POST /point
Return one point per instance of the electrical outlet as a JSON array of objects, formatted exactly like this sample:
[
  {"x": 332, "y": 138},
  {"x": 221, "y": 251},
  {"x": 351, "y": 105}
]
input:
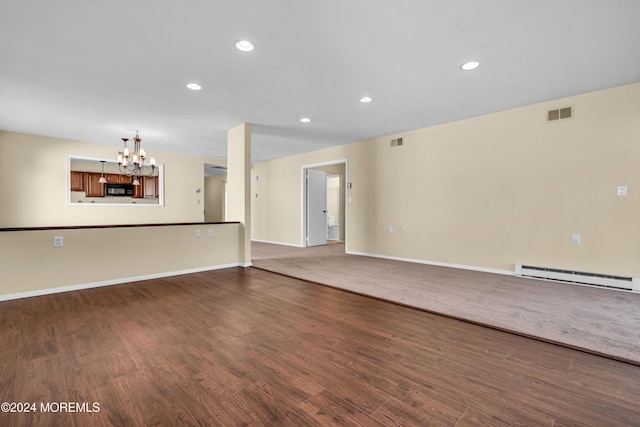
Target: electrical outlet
[
  {"x": 58, "y": 241},
  {"x": 198, "y": 234},
  {"x": 390, "y": 229},
  {"x": 622, "y": 190},
  {"x": 210, "y": 233},
  {"x": 404, "y": 229},
  {"x": 576, "y": 239}
]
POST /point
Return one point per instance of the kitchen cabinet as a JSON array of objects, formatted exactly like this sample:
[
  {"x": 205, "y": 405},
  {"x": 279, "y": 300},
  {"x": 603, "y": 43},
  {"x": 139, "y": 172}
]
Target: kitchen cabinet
[
  {"x": 151, "y": 187},
  {"x": 138, "y": 190},
  {"x": 147, "y": 189},
  {"x": 114, "y": 178},
  {"x": 77, "y": 181},
  {"x": 93, "y": 188}
]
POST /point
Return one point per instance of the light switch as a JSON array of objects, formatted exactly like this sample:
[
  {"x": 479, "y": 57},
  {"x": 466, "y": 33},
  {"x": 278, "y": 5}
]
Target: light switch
[
  {"x": 622, "y": 190},
  {"x": 58, "y": 241},
  {"x": 390, "y": 229},
  {"x": 575, "y": 239}
]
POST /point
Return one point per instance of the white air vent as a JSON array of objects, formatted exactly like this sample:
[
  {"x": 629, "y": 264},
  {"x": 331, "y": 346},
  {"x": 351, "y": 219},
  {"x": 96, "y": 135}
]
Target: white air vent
[
  {"x": 396, "y": 142},
  {"x": 560, "y": 114},
  {"x": 570, "y": 276}
]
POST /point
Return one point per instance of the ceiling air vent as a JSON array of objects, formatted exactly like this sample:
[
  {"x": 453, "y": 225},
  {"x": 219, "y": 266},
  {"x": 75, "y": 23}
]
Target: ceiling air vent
[
  {"x": 560, "y": 114},
  {"x": 396, "y": 142}
]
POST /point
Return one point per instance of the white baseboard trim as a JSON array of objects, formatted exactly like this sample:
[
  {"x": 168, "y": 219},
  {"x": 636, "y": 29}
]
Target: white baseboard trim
[
  {"x": 436, "y": 263},
  {"x": 49, "y": 291},
  {"x": 277, "y": 243}
]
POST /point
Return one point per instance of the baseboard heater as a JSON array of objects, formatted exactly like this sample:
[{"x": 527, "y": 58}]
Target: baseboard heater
[{"x": 570, "y": 276}]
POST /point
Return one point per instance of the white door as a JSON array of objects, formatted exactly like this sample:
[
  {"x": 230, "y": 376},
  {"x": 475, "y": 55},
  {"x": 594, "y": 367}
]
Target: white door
[{"x": 316, "y": 207}]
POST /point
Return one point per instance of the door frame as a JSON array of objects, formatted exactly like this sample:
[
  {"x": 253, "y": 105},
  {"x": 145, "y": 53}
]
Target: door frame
[{"x": 303, "y": 209}]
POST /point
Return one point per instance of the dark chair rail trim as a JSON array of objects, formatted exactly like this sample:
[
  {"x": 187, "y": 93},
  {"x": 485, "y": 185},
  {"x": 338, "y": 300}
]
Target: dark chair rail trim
[{"x": 79, "y": 227}]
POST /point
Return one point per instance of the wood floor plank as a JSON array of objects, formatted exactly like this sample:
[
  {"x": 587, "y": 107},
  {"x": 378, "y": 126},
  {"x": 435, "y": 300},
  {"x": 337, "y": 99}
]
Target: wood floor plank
[
  {"x": 331, "y": 410},
  {"x": 421, "y": 411},
  {"x": 247, "y": 347}
]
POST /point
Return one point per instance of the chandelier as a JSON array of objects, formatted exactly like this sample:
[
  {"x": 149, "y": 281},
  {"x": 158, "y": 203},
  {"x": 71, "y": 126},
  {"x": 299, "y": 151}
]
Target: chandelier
[{"x": 132, "y": 163}]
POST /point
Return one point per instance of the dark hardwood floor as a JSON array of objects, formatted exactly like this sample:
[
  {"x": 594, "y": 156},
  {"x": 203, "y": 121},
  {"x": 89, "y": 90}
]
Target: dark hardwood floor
[{"x": 242, "y": 347}]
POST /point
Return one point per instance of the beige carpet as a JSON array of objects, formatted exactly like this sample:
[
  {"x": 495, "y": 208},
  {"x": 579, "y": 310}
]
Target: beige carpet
[{"x": 601, "y": 321}]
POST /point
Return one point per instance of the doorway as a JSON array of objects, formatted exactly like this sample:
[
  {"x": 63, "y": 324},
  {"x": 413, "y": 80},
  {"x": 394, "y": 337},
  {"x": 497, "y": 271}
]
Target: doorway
[{"x": 324, "y": 213}]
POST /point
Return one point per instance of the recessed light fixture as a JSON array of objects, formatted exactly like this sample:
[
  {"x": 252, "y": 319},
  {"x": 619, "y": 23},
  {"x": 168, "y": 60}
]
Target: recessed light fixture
[
  {"x": 366, "y": 99},
  {"x": 471, "y": 65},
  {"x": 244, "y": 45},
  {"x": 194, "y": 86},
  {"x": 305, "y": 120}
]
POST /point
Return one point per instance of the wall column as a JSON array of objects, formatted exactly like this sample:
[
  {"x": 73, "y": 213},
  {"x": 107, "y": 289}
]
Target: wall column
[{"x": 239, "y": 185}]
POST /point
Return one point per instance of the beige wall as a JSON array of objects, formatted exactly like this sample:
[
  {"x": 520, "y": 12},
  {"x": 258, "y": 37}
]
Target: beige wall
[
  {"x": 98, "y": 256},
  {"x": 487, "y": 192},
  {"x": 239, "y": 184},
  {"x": 33, "y": 193},
  {"x": 33, "y": 185}
]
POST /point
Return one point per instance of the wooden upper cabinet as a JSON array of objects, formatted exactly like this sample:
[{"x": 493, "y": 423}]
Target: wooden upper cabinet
[
  {"x": 116, "y": 178},
  {"x": 77, "y": 181},
  {"x": 112, "y": 178},
  {"x": 93, "y": 187},
  {"x": 124, "y": 179}
]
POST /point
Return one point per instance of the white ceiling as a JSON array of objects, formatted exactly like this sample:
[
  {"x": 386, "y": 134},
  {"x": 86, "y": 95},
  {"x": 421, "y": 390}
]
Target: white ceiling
[{"x": 98, "y": 70}]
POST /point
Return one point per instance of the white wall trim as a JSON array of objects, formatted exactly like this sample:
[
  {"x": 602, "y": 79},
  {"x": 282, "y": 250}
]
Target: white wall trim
[
  {"x": 49, "y": 291},
  {"x": 636, "y": 284},
  {"x": 277, "y": 243},
  {"x": 436, "y": 263}
]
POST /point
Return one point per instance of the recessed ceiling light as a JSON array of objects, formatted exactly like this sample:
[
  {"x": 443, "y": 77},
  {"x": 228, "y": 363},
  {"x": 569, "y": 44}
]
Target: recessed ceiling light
[
  {"x": 244, "y": 45},
  {"x": 471, "y": 65},
  {"x": 366, "y": 99},
  {"x": 305, "y": 120},
  {"x": 194, "y": 86}
]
